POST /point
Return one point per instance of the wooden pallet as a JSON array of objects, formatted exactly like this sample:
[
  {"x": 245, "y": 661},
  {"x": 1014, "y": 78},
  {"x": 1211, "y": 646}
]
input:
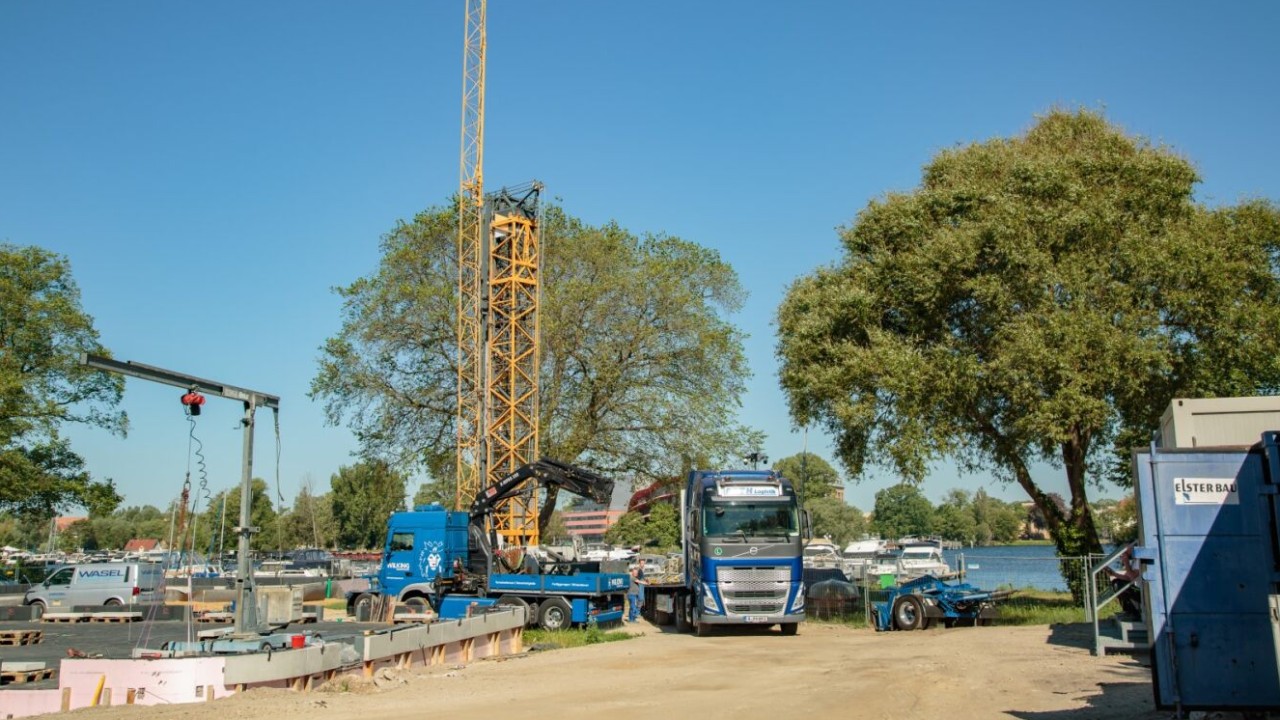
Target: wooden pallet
[
  {"x": 20, "y": 637},
  {"x": 64, "y": 617},
  {"x": 17, "y": 677}
]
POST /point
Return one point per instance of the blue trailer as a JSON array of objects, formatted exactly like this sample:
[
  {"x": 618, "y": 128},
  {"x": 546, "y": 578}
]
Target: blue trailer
[
  {"x": 918, "y": 604},
  {"x": 1211, "y": 588}
]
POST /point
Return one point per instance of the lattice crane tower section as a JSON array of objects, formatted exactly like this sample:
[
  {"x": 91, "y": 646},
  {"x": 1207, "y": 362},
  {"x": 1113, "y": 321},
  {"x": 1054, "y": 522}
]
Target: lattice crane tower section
[
  {"x": 471, "y": 240},
  {"x": 514, "y": 352}
]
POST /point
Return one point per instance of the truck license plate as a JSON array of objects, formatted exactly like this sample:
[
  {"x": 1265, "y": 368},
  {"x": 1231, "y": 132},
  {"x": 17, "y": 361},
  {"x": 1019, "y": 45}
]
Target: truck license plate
[{"x": 754, "y": 618}]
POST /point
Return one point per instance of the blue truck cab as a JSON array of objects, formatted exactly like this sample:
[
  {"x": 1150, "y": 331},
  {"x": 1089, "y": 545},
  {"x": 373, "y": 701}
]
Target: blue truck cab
[
  {"x": 421, "y": 545},
  {"x": 743, "y": 547}
]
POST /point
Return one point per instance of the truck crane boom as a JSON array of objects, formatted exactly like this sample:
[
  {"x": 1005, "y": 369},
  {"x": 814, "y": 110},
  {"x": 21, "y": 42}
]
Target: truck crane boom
[{"x": 550, "y": 474}]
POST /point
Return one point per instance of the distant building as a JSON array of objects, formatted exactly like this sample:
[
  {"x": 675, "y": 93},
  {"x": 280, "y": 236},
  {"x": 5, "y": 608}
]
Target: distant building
[
  {"x": 1034, "y": 526},
  {"x": 590, "y": 525},
  {"x": 62, "y": 522},
  {"x": 143, "y": 545}
]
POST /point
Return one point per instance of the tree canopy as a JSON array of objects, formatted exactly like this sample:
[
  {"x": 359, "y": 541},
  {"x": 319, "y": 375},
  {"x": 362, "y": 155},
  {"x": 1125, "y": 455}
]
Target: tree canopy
[
  {"x": 363, "y": 496},
  {"x": 811, "y": 476},
  {"x": 659, "y": 529},
  {"x": 835, "y": 519},
  {"x": 43, "y": 332},
  {"x": 636, "y": 353},
  {"x": 902, "y": 511},
  {"x": 1041, "y": 297}
]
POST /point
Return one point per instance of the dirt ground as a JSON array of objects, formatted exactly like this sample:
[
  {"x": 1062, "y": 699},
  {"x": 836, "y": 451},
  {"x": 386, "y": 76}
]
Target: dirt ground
[{"x": 826, "y": 671}]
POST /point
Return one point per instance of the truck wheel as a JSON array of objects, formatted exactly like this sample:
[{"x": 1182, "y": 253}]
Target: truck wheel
[
  {"x": 683, "y": 622},
  {"x": 112, "y": 602},
  {"x": 554, "y": 614},
  {"x": 417, "y": 604},
  {"x": 700, "y": 628},
  {"x": 515, "y": 601},
  {"x": 908, "y": 613},
  {"x": 362, "y": 607},
  {"x": 789, "y": 628},
  {"x": 37, "y": 609}
]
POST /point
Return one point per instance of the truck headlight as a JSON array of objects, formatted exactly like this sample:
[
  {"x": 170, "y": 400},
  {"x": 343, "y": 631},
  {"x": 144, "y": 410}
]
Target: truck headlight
[
  {"x": 709, "y": 599},
  {"x": 798, "y": 604}
]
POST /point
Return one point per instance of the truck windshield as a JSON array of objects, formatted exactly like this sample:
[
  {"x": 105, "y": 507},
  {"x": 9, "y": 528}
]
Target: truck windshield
[{"x": 746, "y": 519}]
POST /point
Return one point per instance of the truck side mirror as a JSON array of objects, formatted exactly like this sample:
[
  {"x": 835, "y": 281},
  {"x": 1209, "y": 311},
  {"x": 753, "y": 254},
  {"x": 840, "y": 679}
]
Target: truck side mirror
[{"x": 806, "y": 525}]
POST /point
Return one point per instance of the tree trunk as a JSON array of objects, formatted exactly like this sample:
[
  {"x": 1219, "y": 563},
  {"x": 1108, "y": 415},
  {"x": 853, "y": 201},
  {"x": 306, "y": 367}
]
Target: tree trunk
[{"x": 1074, "y": 534}]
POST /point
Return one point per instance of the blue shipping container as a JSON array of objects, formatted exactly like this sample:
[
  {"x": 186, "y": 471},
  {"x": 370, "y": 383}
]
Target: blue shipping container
[{"x": 1207, "y": 526}]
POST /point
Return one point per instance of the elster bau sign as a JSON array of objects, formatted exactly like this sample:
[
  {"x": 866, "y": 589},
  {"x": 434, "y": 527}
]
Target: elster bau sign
[{"x": 1205, "y": 491}]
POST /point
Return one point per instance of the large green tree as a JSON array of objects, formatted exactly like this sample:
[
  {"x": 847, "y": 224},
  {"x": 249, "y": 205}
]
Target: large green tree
[
  {"x": 43, "y": 331},
  {"x": 310, "y": 522},
  {"x": 659, "y": 529},
  {"x": 835, "y": 519},
  {"x": 954, "y": 518},
  {"x": 636, "y": 351},
  {"x": 996, "y": 521},
  {"x": 210, "y": 527},
  {"x": 901, "y": 510},
  {"x": 1037, "y": 298},
  {"x": 363, "y": 496},
  {"x": 812, "y": 476}
]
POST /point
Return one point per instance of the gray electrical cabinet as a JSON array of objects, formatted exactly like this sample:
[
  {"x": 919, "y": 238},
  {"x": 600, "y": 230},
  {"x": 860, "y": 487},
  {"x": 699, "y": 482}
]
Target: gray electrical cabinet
[{"x": 1208, "y": 535}]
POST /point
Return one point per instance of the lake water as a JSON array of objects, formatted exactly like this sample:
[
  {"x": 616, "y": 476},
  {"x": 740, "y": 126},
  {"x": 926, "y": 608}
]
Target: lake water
[{"x": 1019, "y": 566}]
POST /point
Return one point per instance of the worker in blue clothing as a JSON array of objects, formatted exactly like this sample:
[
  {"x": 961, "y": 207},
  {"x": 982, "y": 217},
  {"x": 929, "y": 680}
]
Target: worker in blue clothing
[{"x": 633, "y": 592}]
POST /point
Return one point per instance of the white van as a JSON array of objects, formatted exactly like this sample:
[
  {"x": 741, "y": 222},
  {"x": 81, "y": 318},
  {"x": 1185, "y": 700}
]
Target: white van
[{"x": 98, "y": 584}]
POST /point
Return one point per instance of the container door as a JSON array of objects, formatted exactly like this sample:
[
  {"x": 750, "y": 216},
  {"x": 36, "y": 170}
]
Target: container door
[{"x": 1208, "y": 593}]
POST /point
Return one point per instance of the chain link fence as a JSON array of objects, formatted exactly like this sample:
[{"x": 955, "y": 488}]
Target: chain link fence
[{"x": 1045, "y": 588}]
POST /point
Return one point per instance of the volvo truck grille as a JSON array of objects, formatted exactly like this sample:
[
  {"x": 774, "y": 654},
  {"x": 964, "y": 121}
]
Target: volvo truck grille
[{"x": 755, "y": 590}]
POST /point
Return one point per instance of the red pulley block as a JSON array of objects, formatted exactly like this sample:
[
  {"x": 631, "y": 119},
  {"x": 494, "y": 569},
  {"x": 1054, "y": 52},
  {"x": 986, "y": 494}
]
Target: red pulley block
[{"x": 193, "y": 400}]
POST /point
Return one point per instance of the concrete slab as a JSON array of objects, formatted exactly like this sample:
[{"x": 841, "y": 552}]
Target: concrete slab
[{"x": 9, "y": 666}]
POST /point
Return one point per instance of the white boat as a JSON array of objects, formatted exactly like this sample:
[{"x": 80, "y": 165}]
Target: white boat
[
  {"x": 285, "y": 569},
  {"x": 599, "y": 554},
  {"x": 822, "y": 554},
  {"x": 920, "y": 559},
  {"x": 860, "y": 555}
]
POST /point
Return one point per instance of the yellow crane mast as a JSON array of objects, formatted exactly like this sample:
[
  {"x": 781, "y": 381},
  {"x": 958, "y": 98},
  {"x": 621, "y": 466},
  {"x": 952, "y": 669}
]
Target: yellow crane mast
[
  {"x": 471, "y": 241},
  {"x": 498, "y": 331}
]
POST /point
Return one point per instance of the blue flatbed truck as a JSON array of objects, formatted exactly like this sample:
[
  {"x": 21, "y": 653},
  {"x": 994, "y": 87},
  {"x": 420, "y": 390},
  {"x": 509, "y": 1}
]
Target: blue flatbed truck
[
  {"x": 742, "y": 537},
  {"x": 446, "y": 560}
]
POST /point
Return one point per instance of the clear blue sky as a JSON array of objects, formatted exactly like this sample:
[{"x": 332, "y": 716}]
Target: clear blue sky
[{"x": 213, "y": 169}]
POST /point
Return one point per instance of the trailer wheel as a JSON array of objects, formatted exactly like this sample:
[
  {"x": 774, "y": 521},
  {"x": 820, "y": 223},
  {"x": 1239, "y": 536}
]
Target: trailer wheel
[
  {"x": 908, "y": 613},
  {"x": 554, "y": 614}
]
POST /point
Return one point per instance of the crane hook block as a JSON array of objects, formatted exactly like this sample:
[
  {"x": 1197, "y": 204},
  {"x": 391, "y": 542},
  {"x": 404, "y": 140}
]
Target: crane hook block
[{"x": 193, "y": 400}]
